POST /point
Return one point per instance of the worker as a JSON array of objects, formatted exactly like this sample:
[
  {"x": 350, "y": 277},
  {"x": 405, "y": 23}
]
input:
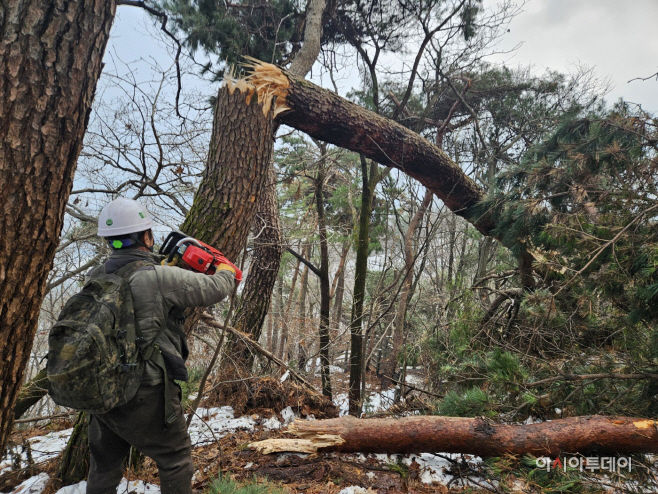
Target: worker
[{"x": 160, "y": 294}]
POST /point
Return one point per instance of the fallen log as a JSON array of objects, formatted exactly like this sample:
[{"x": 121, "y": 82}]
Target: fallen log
[
  {"x": 596, "y": 434},
  {"x": 328, "y": 117}
]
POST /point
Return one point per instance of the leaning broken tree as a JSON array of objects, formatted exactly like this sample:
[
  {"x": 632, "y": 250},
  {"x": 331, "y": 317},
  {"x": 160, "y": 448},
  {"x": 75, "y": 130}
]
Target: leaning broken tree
[{"x": 328, "y": 117}]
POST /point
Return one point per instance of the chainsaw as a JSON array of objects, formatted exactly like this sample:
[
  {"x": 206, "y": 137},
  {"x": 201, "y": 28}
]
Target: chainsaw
[{"x": 188, "y": 252}]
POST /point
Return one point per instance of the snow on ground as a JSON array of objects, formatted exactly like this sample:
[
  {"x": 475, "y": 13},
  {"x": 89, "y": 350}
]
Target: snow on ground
[
  {"x": 207, "y": 425},
  {"x": 41, "y": 448},
  {"x": 36, "y": 485},
  {"x": 432, "y": 467},
  {"x": 33, "y": 485}
]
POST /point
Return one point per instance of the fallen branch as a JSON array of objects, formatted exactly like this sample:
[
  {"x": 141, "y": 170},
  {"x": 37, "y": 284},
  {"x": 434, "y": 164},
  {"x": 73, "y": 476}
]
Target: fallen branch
[
  {"x": 431, "y": 434},
  {"x": 46, "y": 417},
  {"x": 210, "y": 321}
]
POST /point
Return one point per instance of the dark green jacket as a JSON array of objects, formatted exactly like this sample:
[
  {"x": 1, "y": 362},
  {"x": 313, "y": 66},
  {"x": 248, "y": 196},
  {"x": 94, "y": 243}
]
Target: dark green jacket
[{"x": 160, "y": 293}]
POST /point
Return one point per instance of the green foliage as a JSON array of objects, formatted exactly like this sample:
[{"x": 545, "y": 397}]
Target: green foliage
[
  {"x": 231, "y": 31},
  {"x": 190, "y": 386},
  {"x": 472, "y": 402},
  {"x": 225, "y": 485},
  {"x": 505, "y": 367}
]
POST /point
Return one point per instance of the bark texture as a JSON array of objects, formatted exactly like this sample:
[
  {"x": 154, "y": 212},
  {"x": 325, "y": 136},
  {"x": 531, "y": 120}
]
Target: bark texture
[
  {"x": 50, "y": 61},
  {"x": 263, "y": 271},
  {"x": 74, "y": 465},
  {"x": 595, "y": 434},
  {"x": 266, "y": 257},
  {"x": 240, "y": 153}
]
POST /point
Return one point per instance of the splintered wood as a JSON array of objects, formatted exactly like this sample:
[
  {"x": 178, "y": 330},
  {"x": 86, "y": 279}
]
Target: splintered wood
[
  {"x": 270, "y": 82},
  {"x": 267, "y": 81},
  {"x": 310, "y": 446},
  {"x": 431, "y": 434}
]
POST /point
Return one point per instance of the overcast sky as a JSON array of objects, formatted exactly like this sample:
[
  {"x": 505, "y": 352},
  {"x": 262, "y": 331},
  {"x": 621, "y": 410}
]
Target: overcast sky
[{"x": 617, "y": 38}]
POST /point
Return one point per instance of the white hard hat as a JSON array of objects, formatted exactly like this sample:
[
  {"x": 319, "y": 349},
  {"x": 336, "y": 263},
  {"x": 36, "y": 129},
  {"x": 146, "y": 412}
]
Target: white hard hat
[{"x": 123, "y": 216}]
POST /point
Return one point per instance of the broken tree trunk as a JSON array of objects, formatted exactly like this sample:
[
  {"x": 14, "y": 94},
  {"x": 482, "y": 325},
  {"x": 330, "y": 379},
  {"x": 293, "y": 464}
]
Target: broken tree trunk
[
  {"x": 431, "y": 434},
  {"x": 328, "y": 117}
]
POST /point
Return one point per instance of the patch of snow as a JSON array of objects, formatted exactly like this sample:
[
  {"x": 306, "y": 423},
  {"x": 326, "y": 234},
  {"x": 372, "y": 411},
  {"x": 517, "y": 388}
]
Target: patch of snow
[
  {"x": 288, "y": 415},
  {"x": 272, "y": 423},
  {"x": 37, "y": 484},
  {"x": 309, "y": 364},
  {"x": 125, "y": 487},
  {"x": 377, "y": 402},
  {"x": 42, "y": 448},
  {"x": 214, "y": 423},
  {"x": 249, "y": 465},
  {"x": 333, "y": 369},
  {"x": 193, "y": 396},
  {"x": 558, "y": 410},
  {"x": 285, "y": 376},
  {"x": 33, "y": 485},
  {"x": 374, "y": 402},
  {"x": 414, "y": 380},
  {"x": 355, "y": 489}
]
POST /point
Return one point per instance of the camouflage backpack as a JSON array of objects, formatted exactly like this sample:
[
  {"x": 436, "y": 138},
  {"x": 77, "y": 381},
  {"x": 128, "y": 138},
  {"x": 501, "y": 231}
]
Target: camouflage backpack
[{"x": 94, "y": 360}]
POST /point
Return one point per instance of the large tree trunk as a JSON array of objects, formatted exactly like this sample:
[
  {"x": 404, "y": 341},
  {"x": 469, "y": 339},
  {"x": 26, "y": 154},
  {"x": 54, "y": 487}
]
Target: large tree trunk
[
  {"x": 263, "y": 271},
  {"x": 50, "y": 61},
  {"x": 328, "y": 117},
  {"x": 238, "y": 164},
  {"x": 398, "y": 330},
  {"x": 266, "y": 258},
  {"x": 431, "y": 434},
  {"x": 226, "y": 201}
]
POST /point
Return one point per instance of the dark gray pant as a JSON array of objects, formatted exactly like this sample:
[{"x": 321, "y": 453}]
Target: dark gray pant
[{"x": 140, "y": 423}]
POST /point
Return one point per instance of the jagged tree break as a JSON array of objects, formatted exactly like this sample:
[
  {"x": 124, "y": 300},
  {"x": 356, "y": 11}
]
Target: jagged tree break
[{"x": 50, "y": 61}]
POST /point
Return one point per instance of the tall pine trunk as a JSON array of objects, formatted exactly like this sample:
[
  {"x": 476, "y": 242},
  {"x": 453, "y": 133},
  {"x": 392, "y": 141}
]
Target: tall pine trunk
[
  {"x": 325, "y": 298},
  {"x": 50, "y": 61},
  {"x": 360, "y": 274}
]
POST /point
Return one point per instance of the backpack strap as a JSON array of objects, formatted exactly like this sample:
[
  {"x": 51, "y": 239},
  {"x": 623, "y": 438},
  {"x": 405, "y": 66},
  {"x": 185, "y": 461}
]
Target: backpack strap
[{"x": 151, "y": 351}]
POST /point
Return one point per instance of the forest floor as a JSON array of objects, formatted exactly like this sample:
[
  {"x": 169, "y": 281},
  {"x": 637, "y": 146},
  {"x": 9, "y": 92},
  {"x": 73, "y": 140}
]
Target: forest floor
[{"x": 221, "y": 442}]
